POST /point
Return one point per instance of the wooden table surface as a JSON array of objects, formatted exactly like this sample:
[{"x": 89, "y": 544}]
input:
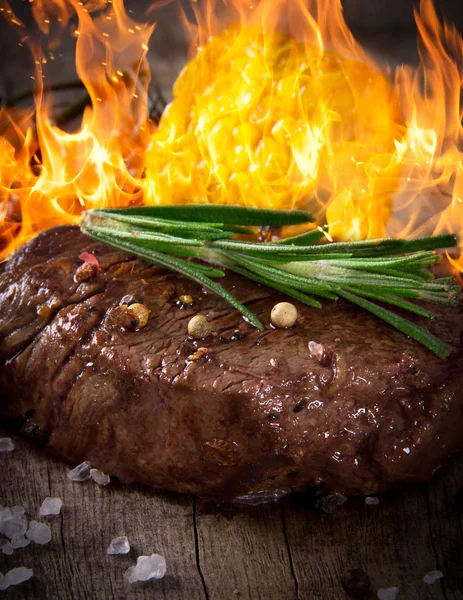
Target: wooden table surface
[{"x": 280, "y": 551}]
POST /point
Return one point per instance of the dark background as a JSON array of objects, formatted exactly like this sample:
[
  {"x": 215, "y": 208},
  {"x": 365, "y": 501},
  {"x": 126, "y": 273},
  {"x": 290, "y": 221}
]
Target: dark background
[{"x": 385, "y": 27}]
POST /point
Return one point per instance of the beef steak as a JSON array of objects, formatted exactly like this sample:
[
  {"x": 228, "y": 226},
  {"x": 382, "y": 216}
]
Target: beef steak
[{"x": 362, "y": 409}]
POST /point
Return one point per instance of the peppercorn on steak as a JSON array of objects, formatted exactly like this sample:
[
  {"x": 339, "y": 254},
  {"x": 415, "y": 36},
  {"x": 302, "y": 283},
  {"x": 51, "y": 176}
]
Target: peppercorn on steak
[{"x": 96, "y": 360}]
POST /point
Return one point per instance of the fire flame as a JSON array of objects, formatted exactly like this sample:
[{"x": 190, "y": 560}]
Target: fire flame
[{"x": 279, "y": 106}]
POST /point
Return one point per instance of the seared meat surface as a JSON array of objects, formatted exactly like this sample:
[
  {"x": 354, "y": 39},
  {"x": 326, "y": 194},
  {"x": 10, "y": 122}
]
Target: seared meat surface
[{"x": 363, "y": 409}]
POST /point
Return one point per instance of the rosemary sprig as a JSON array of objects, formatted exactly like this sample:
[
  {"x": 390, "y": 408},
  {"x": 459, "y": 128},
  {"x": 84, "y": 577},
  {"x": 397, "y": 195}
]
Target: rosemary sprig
[{"x": 391, "y": 271}]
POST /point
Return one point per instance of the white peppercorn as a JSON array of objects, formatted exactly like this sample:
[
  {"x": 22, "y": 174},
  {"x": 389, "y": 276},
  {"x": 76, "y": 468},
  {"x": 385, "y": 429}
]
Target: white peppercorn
[
  {"x": 139, "y": 314},
  {"x": 283, "y": 315}
]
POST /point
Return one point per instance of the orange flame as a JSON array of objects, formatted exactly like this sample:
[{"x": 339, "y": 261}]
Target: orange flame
[
  {"x": 278, "y": 107},
  {"x": 102, "y": 163}
]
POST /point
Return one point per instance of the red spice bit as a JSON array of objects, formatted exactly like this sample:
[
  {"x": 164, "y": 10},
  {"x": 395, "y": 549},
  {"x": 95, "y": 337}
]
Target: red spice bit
[{"x": 89, "y": 258}]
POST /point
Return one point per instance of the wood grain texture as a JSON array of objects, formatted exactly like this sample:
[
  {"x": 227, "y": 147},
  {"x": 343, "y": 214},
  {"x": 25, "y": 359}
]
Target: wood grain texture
[
  {"x": 280, "y": 551},
  {"x": 75, "y": 563}
]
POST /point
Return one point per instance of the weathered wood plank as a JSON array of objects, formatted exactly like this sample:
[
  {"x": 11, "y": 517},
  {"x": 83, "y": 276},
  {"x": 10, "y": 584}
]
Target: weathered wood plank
[
  {"x": 75, "y": 563},
  {"x": 446, "y": 528},
  {"x": 242, "y": 552},
  {"x": 396, "y": 542}
]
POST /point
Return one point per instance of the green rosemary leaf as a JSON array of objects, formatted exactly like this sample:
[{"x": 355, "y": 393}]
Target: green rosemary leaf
[
  {"x": 405, "y": 246},
  {"x": 149, "y": 241},
  {"x": 434, "y": 242},
  {"x": 284, "y": 289},
  {"x": 206, "y": 270},
  {"x": 153, "y": 223},
  {"x": 441, "y": 349},
  {"x": 413, "y": 274},
  {"x": 390, "y": 299},
  {"x": 238, "y": 230},
  {"x": 438, "y": 297},
  {"x": 274, "y": 248},
  {"x": 312, "y": 286},
  {"x": 308, "y": 237},
  {"x": 217, "y": 213},
  {"x": 407, "y": 263}
]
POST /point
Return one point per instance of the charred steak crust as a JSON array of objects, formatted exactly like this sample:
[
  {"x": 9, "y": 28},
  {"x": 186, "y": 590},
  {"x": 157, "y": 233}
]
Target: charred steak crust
[{"x": 255, "y": 411}]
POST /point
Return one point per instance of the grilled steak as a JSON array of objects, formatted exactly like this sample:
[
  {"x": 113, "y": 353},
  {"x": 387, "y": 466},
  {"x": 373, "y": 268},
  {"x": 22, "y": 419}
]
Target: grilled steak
[{"x": 362, "y": 409}]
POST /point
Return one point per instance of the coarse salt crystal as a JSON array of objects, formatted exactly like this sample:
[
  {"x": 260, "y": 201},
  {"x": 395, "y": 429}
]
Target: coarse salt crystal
[
  {"x": 119, "y": 545},
  {"x": 5, "y": 516},
  {"x": 316, "y": 350},
  {"x": 388, "y": 593},
  {"x": 19, "y": 541},
  {"x": 8, "y": 548},
  {"x": 147, "y": 567},
  {"x": 371, "y": 500},
  {"x": 6, "y": 445},
  {"x": 16, "y": 525},
  {"x": 50, "y": 506},
  {"x": 17, "y": 510},
  {"x": 81, "y": 472},
  {"x": 99, "y": 477},
  {"x": 432, "y": 577},
  {"x": 14, "y": 577},
  {"x": 39, "y": 533}
]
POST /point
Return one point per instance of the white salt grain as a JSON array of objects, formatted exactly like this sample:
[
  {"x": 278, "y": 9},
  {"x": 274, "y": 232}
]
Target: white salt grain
[
  {"x": 99, "y": 477},
  {"x": 8, "y": 548},
  {"x": 81, "y": 472},
  {"x": 16, "y": 525},
  {"x": 371, "y": 500},
  {"x": 17, "y": 510},
  {"x": 19, "y": 541},
  {"x": 6, "y": 445},
  {"x": 388, "y": 593},
  {"x": 119, "y": 545},
  {"x": 5, "y": 517},
  {"x": 147, "y": 567},
  {"x": 14, "y": 577},
  {"x": 39, "y": 533},
  {"x": 50, "y": 506},
  {"x": 432, "y": 577},
  {"x": 316, "y": 350}
]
